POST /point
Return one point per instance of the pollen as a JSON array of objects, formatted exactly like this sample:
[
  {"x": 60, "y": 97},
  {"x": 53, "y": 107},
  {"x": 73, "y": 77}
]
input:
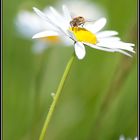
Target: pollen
[{"x": 84, "y": 35}]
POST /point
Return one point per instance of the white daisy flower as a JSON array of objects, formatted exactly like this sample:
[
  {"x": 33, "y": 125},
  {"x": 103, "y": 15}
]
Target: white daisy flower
[
  {"x": 28, "y": 29},
  {"x": 87, "y": 34},
  {"x": 27, "y": 24}
]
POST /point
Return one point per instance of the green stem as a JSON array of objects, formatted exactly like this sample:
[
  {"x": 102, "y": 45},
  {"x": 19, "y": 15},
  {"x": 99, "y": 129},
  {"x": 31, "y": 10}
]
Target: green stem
[{"x": 55, "y": 98}]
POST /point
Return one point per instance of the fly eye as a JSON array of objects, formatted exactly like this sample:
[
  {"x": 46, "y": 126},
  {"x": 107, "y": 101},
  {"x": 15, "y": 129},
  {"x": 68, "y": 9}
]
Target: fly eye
[{"x": 81, "y": 17}]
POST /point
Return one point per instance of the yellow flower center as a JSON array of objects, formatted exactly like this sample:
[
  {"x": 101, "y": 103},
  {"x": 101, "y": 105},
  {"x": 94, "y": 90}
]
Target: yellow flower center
[
  {"x": 84, "y": 35},
  {"x": 54, "y": 39}
]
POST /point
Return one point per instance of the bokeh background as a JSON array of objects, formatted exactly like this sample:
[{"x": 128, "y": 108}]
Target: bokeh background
[{"x": 99, "y": 99}]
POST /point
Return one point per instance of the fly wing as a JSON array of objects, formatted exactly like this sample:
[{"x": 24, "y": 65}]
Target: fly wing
[{"x": 89, "y": 20}]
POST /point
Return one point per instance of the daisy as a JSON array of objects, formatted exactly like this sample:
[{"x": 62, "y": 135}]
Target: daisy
[
  {"x": 88, "y": 34},
  {"x": 27, "y": 29}
]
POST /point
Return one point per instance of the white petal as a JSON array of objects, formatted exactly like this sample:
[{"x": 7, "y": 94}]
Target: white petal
[
  {"x": 108, "y": 39},
  {"x": 108, "y": 49},
  {"x": 45, "y": 34},
  {"x": 130, "y": 44},
  {"x": 123, "y": 52},
  {"x": 59, "y": 19},
  {"x": 99, "y": 48},
  {"x": 66, "y": 40},
  {"x": 71, "y": 35},
  {"x": 29, "y": 24},
  {"x": 104, "y": 34},
  {"x": 116, "y": 45},
  {"x": 67, "y": 13},
  {"x": 26, "y": 28},
  {"x": 80, "y": 50},
  {"x": 41, "y": 14},
  {"x": 49, "y": 19},
  {"x": 97, "y": 26},
  {"x": 57, "y": 22}
]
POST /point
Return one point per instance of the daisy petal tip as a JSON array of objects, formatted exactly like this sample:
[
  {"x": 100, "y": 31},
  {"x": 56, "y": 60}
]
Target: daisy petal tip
[
  {"x": 80, "y": 57},
  {"x": 132, "y": 44},
  {"x": 80, "y": 50},
  {"x": 34, "y": 37},
  {"x": 130, "y": 55},
  {"x": 104, "y": 20},
  {"x": 115, "y": 32},
  {"x": 133, "y": 51},
  {"x": 125, "y": 53},
  {"x": 35, "y": 9},
  {"x": 51, "y": 8}
]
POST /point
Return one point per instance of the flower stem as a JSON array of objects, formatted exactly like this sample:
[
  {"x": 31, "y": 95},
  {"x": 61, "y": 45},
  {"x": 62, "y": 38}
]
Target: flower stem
[{"x": 55, "y": 98}]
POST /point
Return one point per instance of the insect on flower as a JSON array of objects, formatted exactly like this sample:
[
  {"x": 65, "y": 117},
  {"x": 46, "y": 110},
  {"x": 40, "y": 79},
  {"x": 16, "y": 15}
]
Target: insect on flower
[
  {"x": 77, "y": 21},
  {"x": 90, "y": 35}
]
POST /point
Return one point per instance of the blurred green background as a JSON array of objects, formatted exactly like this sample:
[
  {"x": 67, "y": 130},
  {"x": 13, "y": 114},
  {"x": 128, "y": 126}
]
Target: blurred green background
[{"x": 99, "y": 99}]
